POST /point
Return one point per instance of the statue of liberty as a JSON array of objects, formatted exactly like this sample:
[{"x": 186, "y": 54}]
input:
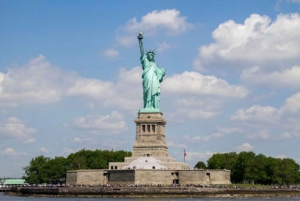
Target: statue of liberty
[{"x": 152, "y": 77}]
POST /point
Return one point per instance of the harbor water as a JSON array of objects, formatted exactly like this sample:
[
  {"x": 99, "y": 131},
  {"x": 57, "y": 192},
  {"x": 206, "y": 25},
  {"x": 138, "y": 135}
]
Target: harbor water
[{"x": 16, "y": 198}]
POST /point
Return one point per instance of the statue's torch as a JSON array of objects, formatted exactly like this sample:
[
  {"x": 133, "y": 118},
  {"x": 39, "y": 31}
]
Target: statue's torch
[{"x": 140, "y": 36}]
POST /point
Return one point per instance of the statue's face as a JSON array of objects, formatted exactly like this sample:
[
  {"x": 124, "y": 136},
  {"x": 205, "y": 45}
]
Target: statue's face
[{"x": 150, "y": 57}]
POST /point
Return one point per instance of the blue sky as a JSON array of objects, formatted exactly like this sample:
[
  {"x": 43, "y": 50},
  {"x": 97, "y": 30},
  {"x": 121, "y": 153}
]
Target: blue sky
[{"x": 70, "y": 76}]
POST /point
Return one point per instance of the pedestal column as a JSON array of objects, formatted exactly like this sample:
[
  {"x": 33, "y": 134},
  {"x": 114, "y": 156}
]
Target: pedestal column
[{"x": 150, "y": 135}]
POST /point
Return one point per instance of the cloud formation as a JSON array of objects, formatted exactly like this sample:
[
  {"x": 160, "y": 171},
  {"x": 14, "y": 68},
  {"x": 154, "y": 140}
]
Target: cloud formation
[
  {"x": 10, "y": 152},
  {"x": 111, "y": 54},
  {"x": 162, "y": 46},
  {"x": 13, "y": 128},
  {"x": 262, "y": 121},
  {"x": 199, "y": 96},
  {"x": 259, "y": 41},
  {"x": 97, "y": 124},
  {"x": 198, "y": 84},
  {"x": 256, "y": 114},
  {"x": 169, "y": 21},
  {"x": 288, "y": 77},
  {"x": 244, "y": 147},
  {"x": 39, "y": 82},
  {"x": 44, "y": 150},
  {"x": 84, "y": 140},
  {"x": 36, "y": 82},
  {"x": 198, "y": 156}
]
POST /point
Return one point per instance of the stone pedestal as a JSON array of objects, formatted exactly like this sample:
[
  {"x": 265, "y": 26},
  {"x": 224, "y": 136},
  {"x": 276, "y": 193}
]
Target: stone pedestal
[
  {"x": 150, "y": 142},
  {"x": 150, "y": 135}
]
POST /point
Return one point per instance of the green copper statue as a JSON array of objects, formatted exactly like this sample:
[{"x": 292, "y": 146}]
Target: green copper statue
[{"x": 152, "y": 77}]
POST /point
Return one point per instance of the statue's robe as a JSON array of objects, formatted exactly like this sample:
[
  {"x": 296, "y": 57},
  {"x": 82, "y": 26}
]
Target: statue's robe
[{"x": 152, "y": 76}]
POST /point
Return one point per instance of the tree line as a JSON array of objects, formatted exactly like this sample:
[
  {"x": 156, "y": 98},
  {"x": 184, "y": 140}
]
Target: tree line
[
  {"x": 43, "y": 169},
  {"x": 258, "y": 169},
  {"x": 244, "y": 166}
]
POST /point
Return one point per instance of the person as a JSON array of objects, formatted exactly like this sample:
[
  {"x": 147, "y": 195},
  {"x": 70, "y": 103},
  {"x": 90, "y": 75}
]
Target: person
[{"x": 152, "y": 77}]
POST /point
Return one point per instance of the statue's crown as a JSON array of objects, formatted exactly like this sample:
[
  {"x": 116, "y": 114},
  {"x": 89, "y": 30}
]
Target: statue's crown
[{"x": 151, "y": 52}]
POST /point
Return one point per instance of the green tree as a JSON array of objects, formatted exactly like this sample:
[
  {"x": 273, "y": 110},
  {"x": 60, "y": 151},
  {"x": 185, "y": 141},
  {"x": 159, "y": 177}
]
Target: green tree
[
  {"x": 200, "y": 165},
  {"x": 35, "y": 172},
  {"x": 288, "y": 171},
  {"x": 46, "y": 170},
  {"x": 56, "y": 170},
  {"x": 243, "y": 166},
  {"x": 247, "y": 166},
  {"x": 215, "y": 162},
  {"x": 229, "y": 160},
  {"x": 272, "y": 170},
  {"x": 78, "y": 160},
  {"x": 257, "y": 169},
  {"x": 222, "y": 161}
]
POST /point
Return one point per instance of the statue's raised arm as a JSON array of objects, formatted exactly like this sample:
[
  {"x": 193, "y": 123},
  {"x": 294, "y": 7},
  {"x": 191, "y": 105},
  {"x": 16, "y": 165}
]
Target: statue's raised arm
[
  {"x": 152, "y": 77},
  {"x": 140, "y": 37}
]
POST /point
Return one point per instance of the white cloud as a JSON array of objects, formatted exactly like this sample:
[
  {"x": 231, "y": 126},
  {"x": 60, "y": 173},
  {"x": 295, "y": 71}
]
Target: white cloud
[
  {"x": 44, "y": 150},
  {"x": 96, "y": 124},
  {"x": 113, "y": 144},
  {"x": 293, "y": 1},
  {"x": 92, "y": 88},
  {"x": 208, "y": 93},
  {"x": 13, "y": 128},
  {"x": 197, "y": 156},
  {"x": 67, "y": 151},
  {"x": 111, "y": 54},
  {"x": 257, "y": 41},
  {"x": 200, "y": 138},
  {"x": 281, "y": 156},
  {"x": 169, "y": 21},
  {"x": 268, "y": 114},
  {"x": 244, "y": 147},
  {"x": 278, "y": 79},
  {"x": 127, "y": 92},
  {"x": 42, "y": 83},
  {"x": 10, "y": 152},
  {"x": 220, "y": 133},
  {"x": 283, "y": 136},
  {"x": 258, "y": 135},
  {"x": 84, "y": 140},
  {"x": 199, "y": 96},
  {"x": 176, "y": 144},
  {"x": 193, "y": 113},
  {"x": 163, "y": 46},
  {"x": 286, "y": 135},
  {"x": 197, "y": 139},
  {"x": 29, "y": 140},
  {"x": 266, "y": 122},
  {"x": 230, "y": 130},
  {"x": 198, "y": 84},
  {"x": 292, "y": 104},
  {"x": 36, "y": 82},
  {"x": 257, "y": 113}
]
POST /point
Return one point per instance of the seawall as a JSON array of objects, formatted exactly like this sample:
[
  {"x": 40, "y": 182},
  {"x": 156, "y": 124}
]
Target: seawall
[{"x": 159, "y": 192}]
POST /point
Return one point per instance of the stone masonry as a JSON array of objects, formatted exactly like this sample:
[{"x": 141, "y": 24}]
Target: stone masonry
[
  {"x": 150, "y": 136},
  {"x": 150, "y": 145},
  {"x": 150, "y": 141}
]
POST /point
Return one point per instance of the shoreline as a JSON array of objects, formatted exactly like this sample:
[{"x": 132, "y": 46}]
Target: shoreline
[{"x": 146, "y": 192}]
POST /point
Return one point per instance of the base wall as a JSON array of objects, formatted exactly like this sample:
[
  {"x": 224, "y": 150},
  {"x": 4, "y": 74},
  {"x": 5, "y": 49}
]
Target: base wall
[
  {"x": 86, "y": 177},
  {"x": 146, "y": 176},
  {"x": 121, "y": 177}
]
